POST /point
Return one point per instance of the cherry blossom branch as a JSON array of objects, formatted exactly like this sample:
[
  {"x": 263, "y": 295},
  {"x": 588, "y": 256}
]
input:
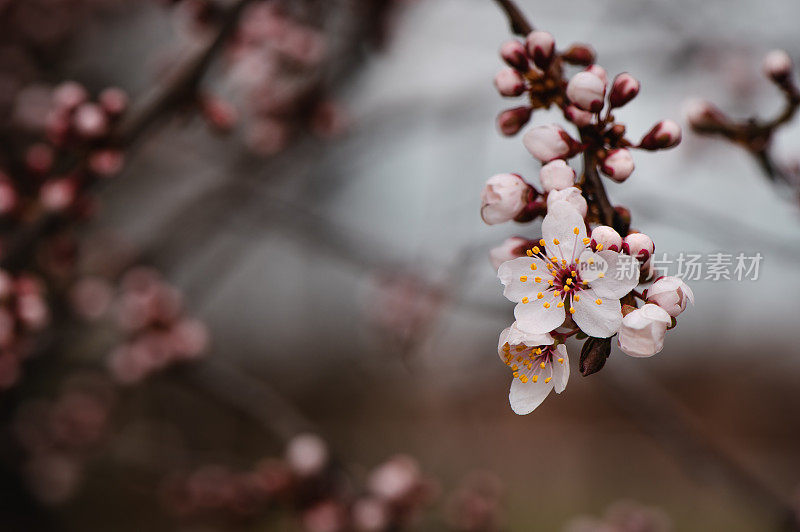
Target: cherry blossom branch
[{"x": 519, "y": 24}]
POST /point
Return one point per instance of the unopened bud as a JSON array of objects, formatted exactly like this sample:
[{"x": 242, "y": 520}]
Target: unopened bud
[
  {"x": 509, "y": 82},
  {"x": 777, "y": 65},
  {"x": 550, "y": 142},
  {"x": 586, "y": 90},
  {"x": 513, "y": 53},
  {"x": 624, "y": 89},
  {"x": 594, "y": 353},
  {"x": 510, "y": 121},
  {"x": 504, "y": 197},
  {"x": 541, "y": 48},
  {"x": 598, "y": 71},
  {"x": 665, "y": 134},
  {"x": 69, "y": 95},
  {"x": 90, "y": 120},
  {"x": 571, "y": 195},
  {"x": 618, "y": 165},
  {"x": 605, "y": 238},
  {"x": 114, "y": 101},
  {"x": 556, "y": 175},
  {"x": 579, "y": 117},
  {"x": 579, "y": 54},
  {"x": 639, "y": 246},
  {"x": 703, "y": 115}
]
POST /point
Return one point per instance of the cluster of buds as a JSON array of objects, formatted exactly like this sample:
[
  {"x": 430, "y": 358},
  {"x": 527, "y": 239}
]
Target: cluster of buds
[
  {"x": 752, "y": 134},
  {"x": 580, "y": 277},
  {"x": 307, "y": 483},
  {"x": 150, "y": 313},
  {"x": 59, "y": 435},
  {"x": 623, "y": 516}
]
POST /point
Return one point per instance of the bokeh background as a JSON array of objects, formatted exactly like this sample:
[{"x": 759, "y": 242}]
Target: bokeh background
[{"x": 342, "y": 272}]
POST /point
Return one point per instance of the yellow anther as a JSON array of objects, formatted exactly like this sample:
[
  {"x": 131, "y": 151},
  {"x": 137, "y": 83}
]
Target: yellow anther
[
  {"x": 519, "y": 358},
  {"x": 548, "y": 379},
  {"x": 591, "y": 261},
  {"x": 601, "y": 275},
  {"x": 577, "y": 297},
  {"x": 538, "y": 351},
  {"x": 556, "y": 242},
  {"x": 599, "y": 247},
  {"x": 537, "y": 279},
  {"x": 516, "y": 373},
  {"x": 536, "y": 249},
  {"x": 598, "y": 301},
  {"x": 556, "y": 293},
  {"x": 584, "y": 282},
  {"x": 523, "y": 278},
  {"x": 529, "y": 253},
  {"x": 569, "y": 281},
  {"x": 574, "y": 273},
  {"x": 563, "y": 262},
  {"x": 546, "y": 304},
  {"x": 535, "y": 378},
  {"x": 533, "y": 267},
  {"x": 515, "y": 367},
  {"x": 567, "y": 288},
  {"x": 520, "y": 348},
  {"x": 554, "y": 259},
  {"x": 523, "y": 378},
  {"x": 560, "y": 304},
  {"x": 541, "y": 242},
  {"x": 560, "y": 360},
  {"x": 572, "y": 310},
  {"x": 542, "y": 365},
  {"x": 586, "y": 241},
  {"x": 539, "y": 295},
  {"x": 550, "y": 282},
  {"x": 525, "y": 300},
  {"x": 576, "y": 230}
]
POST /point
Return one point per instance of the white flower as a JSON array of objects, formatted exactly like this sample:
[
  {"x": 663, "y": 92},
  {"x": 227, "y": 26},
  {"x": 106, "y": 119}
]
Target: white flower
[
  {"x": 572, "y": 196},
  {"x": 642, "y": 331},
  {"x": 587, "y": 90},
  {"x": 548, "y": 143},
  {"x": 503, "y": 198},
  {"x": 671, "y": 294},
  {"x": 510, "y": 249},
  {"x": 556, "y": 175},
  {"x": 562, "y": 274},
  {"x": 538, "y": 367}
]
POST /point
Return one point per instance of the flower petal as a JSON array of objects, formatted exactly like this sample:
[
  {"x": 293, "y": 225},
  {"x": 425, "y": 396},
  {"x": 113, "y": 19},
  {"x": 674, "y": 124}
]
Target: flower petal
[
  {"x": 599, "y": 320},
  {"x": 536, "y": 318},
  {"x": 621, "y": 275},
  {"x": 591, "y": 265},
  {"x": 512, "y": 272},
  {"x": 524, "y": 397},
  {"x": 559, "y": 226},
  {"x": 560, "y": 368},
  {"x": 513, "y": 336}
]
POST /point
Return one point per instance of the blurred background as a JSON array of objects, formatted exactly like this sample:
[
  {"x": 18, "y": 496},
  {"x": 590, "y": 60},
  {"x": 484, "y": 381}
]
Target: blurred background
[{"x": 272, "y": 230}]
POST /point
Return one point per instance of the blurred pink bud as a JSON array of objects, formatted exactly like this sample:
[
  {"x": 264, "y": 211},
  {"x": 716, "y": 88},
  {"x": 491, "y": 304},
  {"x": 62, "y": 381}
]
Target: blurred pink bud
[
  {"x": 6, "y": 285},
  {"x": 618, "y": 165},
  {"x": 114, "y": 101},
  {"x": 32, "y": 311},
  {"x": 605, "y": 238},
  {"x": 503, "y": 198},
  {"x": 541, "y": 48},
  {"x": 395, "y": 479},
  {"x": 91, "y": 297},
  {"x": 510, "y": 121},
  {"x": 90, "y": 121},
  {"x": 556, "y": 175},
  {"x": 8, "y": 197},
  {"x": 124, "y": 367},
  {"x": 624, "y": 89},
  {"x": 509, "y": 82},
  {"x": 510, "y": 249},
  {"x": 579, "y": 117},
  {"x": 703, "y": 115},
  {"x": 57, "y": 194},
  {"x": 69, "y": 95},
  {"x": 370, "y": 515},
  {"x": 671, "y": 294},
  {"x": 190, "y": 338},
  {"x": 513, "y": 53},
  {"x": 586, "y": 90},
  {"x": 221, "y": 115},
  {"x": 39, "y": 158},
  {"x": 777, "y": 65},
  {"x": 550, "y": 142},
  {"x": 307, "y": 455},
  {"x": 572, "y": 196},
  {"x": 665, "y": 134},
  {"x": 106, "y": 163},
  {"x": 579, "y": 54},
  {"x": 638, "y": 245},
  {"x": 325, "y": 516}
]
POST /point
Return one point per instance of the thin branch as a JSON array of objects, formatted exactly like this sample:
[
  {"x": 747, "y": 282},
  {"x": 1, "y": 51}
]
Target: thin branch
[{"x": 519, "y": 24}]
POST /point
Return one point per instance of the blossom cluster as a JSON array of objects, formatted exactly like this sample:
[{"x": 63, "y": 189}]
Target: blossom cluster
[{"x": 580, "y": 276}]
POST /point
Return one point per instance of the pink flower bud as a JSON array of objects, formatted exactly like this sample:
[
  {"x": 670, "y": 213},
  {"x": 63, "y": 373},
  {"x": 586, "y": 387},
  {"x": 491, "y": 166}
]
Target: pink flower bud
[
  {"x": 69, "y": 95},
  {"x": 572, "y": 196},
  {"x": 510, "y": 249},
  {"x": 665, "y": 134},
  {"x": 624, "y": 89},
  {"x": 39, "y": 158},
  {"x": 777, "y": 65},
  {"x": 106, "y": 163},
  {"x": 671, "y": 294},
  {"x": 605, "y": 238},
  {"x": 556, "y": 175},
  {"x": 114, "y": 101},
  {"x": 503, "y": 198},
  {"x": 307, "y": 454},
  {"x": 643, "y": 330},
  {"x": 579, "y": 117},
  {"x": 548, "y": 143},
  {"x": 513, "y": 53},
  {"x": 541, "y": 48},
  {"x": 618, "y": 165},
  {"x": 8, "y": 197},
  {"x": 57, "y": 194},
  {"x": 90, "y": 120},
  {"x": 586, "y": 90},
  {"x": 510, "y": 121},
  {"x": 598, "y": 71},
  {"x": 509, "y": 82},
  {"x": 221, "y": 115},
  {"x": 703, "y": 115},
  {"x": 638, "y": 245},
  {"x": 579, "y": 54}
]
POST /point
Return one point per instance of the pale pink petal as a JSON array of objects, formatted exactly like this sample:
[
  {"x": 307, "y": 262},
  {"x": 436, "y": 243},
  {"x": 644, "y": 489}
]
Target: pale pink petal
[
  {"x": 620, "y": 277},
  {"x": 565, "y": 225},
  {"x": 598, "y": 320},
  {"x": 519, "y": 277}
]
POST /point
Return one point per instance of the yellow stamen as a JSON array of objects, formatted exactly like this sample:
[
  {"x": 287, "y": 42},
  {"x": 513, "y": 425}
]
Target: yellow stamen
[
  {"x": 560, "y": 360},
  {"x": 541, "y": 242},
  {"x": 529, "y": 253},
  {"x": 537, "y": 279},
  {"x": 546, "y": 304},
  {"x": 539, "y": 295},
  {"x": 574, "y": 273},
  {"x": 548, "y": 379},
  {"x": 577, "y": 297},
  {"x": 569, "y": 281},
  {"x": 542, "y": 365},
  {"x": 523, "y": 378},
  {"x": 599, "y": 301},
  {"x": 576, "y": 230},
  {"x": 536, "y": 249},
  {"x": 535, "y": 378},
  {"x": 523, "y": 278},
  {"x": 572, "y": 310},
  {"x": 586, "y": 241},
  {"x": 560, "y": 304},
  {"x": 556, "y": 242},
  {"x": 599, "y": 247},
  {"x": 538, "y": 351},
  {"x": 533, "y": 266},
  {"x": 525, "y": 300}
]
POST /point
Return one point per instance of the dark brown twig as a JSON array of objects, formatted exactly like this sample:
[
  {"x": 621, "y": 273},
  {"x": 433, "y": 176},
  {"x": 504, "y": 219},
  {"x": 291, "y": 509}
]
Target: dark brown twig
[{"x": 519, "y": 24}]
